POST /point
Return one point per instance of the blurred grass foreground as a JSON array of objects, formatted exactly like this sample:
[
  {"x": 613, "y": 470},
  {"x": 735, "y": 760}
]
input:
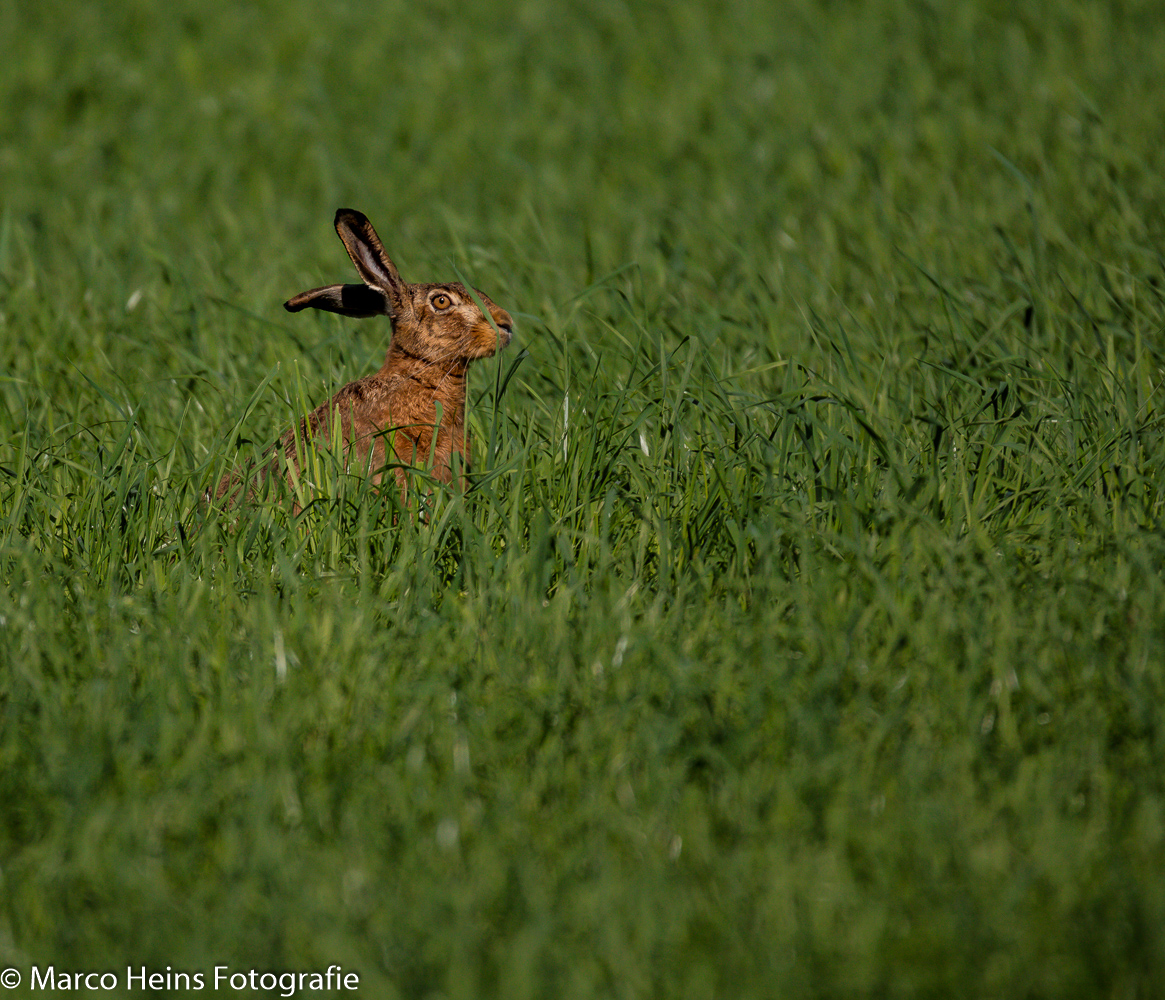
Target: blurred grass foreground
[{"x": 802, "y": 633}]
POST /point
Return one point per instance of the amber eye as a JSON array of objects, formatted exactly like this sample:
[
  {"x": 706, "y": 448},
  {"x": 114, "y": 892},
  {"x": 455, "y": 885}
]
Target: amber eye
[{"x": 441, "y": 301}]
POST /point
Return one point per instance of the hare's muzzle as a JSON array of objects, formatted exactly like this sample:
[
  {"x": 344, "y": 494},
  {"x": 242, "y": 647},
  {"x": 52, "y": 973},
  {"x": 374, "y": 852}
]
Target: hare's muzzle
[{"x": 505, "y": 325}]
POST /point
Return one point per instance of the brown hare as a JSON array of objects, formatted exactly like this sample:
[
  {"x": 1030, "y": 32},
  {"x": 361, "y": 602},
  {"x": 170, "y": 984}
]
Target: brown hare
[{"x": 388, "y": 419}]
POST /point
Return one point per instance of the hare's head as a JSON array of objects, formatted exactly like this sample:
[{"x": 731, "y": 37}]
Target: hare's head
[{"x": 435, "y": 322}]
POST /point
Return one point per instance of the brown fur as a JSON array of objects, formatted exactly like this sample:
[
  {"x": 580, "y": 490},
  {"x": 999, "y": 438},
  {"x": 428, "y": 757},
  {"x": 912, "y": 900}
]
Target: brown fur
[{"x": 437, "y": 330}]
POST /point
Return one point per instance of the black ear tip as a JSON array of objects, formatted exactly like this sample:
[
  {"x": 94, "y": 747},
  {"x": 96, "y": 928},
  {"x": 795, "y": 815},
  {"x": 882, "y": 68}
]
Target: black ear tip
[{"x": 351, "y": 215}]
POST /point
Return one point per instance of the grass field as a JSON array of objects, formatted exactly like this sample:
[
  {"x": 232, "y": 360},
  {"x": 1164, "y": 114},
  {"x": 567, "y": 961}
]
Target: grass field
[{"x": 803, "y": 631}]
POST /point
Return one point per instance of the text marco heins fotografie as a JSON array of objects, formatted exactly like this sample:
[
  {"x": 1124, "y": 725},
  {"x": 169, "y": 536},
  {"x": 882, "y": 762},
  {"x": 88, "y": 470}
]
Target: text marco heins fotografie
[{"x": 287, "y": 983}]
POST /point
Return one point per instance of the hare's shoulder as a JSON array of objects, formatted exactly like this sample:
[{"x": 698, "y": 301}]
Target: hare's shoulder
[
  {"x": 363, "y": 394},
  {"x": 367, "y": 404}
]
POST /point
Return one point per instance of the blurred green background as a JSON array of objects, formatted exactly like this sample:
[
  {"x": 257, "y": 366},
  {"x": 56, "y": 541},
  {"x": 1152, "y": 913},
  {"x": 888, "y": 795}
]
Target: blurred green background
[{"x": 804, "y": 631}]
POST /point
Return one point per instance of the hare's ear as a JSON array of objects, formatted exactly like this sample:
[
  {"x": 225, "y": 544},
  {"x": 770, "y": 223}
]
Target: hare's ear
[
  {"x": 348, "y": 300},
  {"x": 367, "y": 253}
]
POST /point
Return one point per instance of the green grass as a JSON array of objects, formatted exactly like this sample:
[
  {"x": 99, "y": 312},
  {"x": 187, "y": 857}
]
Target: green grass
[{"x": 803, "y": 632}]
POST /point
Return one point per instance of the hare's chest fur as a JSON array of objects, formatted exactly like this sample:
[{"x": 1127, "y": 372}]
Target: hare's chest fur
[{"x": 390, "y": 418}]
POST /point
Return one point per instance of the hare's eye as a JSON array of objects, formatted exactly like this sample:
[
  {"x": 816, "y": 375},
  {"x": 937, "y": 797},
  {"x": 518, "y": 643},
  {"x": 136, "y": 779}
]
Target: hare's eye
[{"x": 441, "y": 301}]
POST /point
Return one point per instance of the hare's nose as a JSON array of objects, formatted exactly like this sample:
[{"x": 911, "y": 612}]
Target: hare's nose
[{"x": 502, "y": 318}]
